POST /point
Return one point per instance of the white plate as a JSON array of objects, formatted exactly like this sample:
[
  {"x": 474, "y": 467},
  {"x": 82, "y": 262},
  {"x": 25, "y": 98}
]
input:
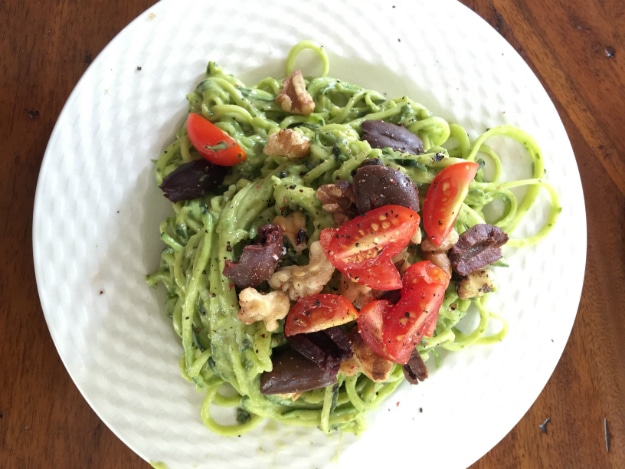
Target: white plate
[{"x": 97, "y": 212}]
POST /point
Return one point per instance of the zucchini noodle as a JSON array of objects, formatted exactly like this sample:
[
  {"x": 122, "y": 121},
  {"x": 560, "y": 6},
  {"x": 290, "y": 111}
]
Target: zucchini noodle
[{"x": 224, "y": 357}]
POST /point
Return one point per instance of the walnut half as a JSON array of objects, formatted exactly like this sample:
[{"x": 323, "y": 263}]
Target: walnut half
[
  {"x": 338, "y": 199},
  {"x": 294, "y": 228},
  {"x": 269, "y": 308},
  {"x": 289, "y": 143},
  {"x": 303, "y": 280},
  {"x": 366, "y": 361},
  {"x": 294, "y": 97},
  {"x": 476, "y": 284},
  {"x": 438, "y": 254}
]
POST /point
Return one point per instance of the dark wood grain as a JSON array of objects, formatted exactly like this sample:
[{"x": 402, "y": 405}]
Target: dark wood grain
[
  {"x": 577, "y": 53},
  {"x": 576, "y": 48}
]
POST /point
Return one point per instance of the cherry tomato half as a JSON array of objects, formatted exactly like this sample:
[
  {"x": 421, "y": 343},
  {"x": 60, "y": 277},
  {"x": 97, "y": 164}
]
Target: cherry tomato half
[
  {"x": 212, "y": 143},
  {"x": 444, "y": 199},
  {"x": 371, "y": 326},
  {"x": 368, "y": 242},
  {"x": 317, "y": 312},
  {"x": 383, "y": 276},
  {"x": 423, "y": 273},
  {"x": 394, "y": 330}
]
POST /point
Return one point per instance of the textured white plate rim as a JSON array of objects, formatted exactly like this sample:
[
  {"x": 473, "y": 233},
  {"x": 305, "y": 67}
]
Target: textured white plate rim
[{"x": 128, "y": 434}]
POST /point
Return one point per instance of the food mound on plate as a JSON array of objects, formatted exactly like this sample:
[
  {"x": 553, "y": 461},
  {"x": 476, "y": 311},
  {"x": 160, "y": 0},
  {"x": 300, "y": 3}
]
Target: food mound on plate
[{"x": 326, "y": 241}]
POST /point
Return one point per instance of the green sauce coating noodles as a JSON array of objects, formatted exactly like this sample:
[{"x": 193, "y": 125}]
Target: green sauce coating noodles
[{"x": 219, "y": 351}]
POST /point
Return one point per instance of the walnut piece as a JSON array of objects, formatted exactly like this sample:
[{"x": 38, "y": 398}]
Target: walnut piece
[
  {"x": 293, "y": 96},
  {"x": 366, "y": 361},
  {"x": 338, "y": 200},
  {"x": 357, "y": 294},
  {"x": 476, "y": 284},
  {"x": 428, "y": 246},
  {"x": 269, "y": 308},
  {"x": 438, "y": 254},
  {"x": 287, "y": 142},
  {"x": 293, "y": 396},
  {"x": 440, "y": 259},
  {"x": 294, "y": 228},
  {"x": 303, "y": 280},
  {"x": 402, "y": 260},
  {"x": 416, "y": 238}
]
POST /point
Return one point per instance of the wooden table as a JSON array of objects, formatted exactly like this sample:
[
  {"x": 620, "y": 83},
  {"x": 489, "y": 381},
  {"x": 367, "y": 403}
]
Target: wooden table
[{"x": 577, "y": 49}]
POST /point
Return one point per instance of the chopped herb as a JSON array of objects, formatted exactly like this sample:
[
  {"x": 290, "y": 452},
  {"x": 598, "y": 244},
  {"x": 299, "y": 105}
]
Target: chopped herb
[{"x": 243, "y": 416}]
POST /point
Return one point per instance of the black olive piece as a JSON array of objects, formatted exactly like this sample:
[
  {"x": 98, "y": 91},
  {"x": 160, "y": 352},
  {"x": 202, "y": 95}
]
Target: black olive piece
[
  {"x": 382, "y": 134},
  {"x": 326, "y": 348},
  {"x": 378, "y": 185},
  {"x": 476, "y": 248},
  {"x": 415, "y": 370},
  {"x": 258, "y": 261},
  {"x": 192, "y": 180},
  {"x": 292, "y": 372}
]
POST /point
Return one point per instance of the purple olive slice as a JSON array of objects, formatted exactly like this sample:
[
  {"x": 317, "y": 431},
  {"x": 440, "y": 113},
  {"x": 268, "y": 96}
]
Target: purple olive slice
[
  {"x": 376, "y": 185},
  {"x": 382, "y": 134},
  {"x": 258, "y": 261},
  {"x": 292, "y": 372},
  {"x": 192, "y": 180}
]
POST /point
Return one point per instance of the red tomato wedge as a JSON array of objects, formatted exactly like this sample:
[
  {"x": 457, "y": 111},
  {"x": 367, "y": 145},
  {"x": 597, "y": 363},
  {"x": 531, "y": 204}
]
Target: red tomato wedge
[
  {"x": 444, "y": 199},
  {"x": 212, "y": 143},
  {"x": 371, "y": 326},
  {"x": 423, "y": 273},
  {"x": 394, "y": 330},
  {"x": 383, "y": 276},
  {"x": 317, "y": 312},
  {"x": 368, "y": 242}
]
